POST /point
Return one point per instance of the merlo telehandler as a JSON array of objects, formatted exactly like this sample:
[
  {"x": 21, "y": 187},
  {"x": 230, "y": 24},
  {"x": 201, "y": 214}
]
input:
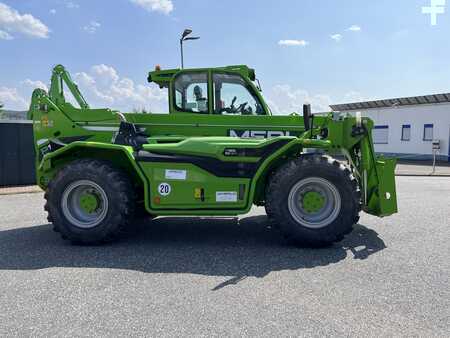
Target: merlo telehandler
[{"x": 218, "y": 152}]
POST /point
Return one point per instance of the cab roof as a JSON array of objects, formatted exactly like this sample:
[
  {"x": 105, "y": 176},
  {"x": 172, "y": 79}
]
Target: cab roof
[{"x": 163, "y": 76}]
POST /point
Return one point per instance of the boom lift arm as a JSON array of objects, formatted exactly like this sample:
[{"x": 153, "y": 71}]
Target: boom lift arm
[{"x": 60, "y": 76}]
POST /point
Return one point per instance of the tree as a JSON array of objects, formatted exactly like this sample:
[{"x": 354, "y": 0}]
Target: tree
[
  {"x": 141, "y": 111},
  {"x": 1, "y": 110}
]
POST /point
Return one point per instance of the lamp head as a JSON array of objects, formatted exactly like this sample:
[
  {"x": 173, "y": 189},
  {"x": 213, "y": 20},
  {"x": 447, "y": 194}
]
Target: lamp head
[{"x": 186, "y": 32}]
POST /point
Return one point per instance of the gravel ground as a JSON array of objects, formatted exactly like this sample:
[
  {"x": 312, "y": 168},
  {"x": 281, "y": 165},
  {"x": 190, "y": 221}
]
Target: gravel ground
[{"x": 231, "y": 277}]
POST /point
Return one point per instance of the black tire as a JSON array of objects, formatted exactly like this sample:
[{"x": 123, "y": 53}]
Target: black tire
[
  {"x": 116, "y": 201},
  {"x": 270, "y": 217},
  {"x": 346, "y": 197},
  {"x": 141, "y": 214}
]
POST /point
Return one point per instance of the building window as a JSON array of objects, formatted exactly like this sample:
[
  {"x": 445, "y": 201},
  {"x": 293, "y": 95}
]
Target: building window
[
  {"x": 428, "y": 132},
  {"x": 380, "y": 134},
  {"x": 406, "y": 132}
]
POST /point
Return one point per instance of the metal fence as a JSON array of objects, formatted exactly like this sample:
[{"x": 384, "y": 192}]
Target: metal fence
[{"x": 16, "y": 153}]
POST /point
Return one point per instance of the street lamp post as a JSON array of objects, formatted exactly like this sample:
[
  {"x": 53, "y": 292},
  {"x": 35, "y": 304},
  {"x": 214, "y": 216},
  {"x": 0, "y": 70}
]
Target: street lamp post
[{"x": 185, "y": 37}]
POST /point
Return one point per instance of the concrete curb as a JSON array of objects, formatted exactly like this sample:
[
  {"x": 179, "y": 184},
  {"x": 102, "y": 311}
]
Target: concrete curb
[
  {"x": 423, "y": 175},
  {"x": 20, "y": 190}
]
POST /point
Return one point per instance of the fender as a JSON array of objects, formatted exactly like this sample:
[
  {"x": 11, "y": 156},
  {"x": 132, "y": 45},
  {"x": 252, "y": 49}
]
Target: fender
[{"x": 124, "y": 157}]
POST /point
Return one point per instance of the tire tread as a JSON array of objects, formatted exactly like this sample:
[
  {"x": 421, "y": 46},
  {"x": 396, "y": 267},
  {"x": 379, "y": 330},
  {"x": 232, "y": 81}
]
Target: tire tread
[
  {"x": 123, "y": 197},
  {"x": 303, "y": 236}
]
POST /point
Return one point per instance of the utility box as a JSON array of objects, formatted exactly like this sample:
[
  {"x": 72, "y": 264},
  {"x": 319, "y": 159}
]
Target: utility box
[{"x": 436, "y": 145}]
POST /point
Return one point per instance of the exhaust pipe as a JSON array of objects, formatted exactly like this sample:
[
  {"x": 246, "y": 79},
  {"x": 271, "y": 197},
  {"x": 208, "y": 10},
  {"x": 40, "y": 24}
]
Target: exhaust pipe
[{"x": 307, "y": 116}]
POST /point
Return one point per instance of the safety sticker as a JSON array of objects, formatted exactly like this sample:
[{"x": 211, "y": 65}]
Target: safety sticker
[
  {"x": 173, "y": 174},
  {"x": 226, "y": 196},
  {"x": 164, "y": 189}
]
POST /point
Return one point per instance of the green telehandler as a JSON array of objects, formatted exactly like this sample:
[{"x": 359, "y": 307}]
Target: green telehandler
[{"x": 218, "y": 152}]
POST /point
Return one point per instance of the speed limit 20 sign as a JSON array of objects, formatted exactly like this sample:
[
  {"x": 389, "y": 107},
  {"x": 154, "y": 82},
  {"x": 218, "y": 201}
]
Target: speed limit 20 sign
[{"x": 164, "y": 189}]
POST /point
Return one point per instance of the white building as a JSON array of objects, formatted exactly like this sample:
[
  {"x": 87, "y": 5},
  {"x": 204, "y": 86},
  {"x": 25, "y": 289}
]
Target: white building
[{"x": 405, "y": 127}]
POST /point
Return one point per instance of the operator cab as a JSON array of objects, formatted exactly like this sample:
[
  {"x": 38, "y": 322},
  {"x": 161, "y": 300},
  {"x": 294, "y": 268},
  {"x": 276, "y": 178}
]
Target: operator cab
[{"x": 220, "y": 91}]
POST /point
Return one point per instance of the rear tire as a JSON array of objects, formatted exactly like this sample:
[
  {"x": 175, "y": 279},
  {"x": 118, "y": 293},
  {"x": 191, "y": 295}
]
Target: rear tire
[
  {"x": 89, "y": 201},
  {"x": 315, "y": 200},
  {"x": 141, "y": 214}
]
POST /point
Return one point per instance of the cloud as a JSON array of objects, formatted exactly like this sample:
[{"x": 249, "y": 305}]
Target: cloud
[
  {"x": 354, "y": 28},
  {"x": 301, "y": 43},
  {"x": 5, "y": 35},
  {"x": 162, "y": 6},
  {"x": 283, "y": 99},
  {"x": 92, "y": 27},
  {"x": 336, "y": 37},
  {"x": 103, "y": 86},
  {"x": 14, "y": 98},
  {"x": 105, "y": 73},
  {"x": 12, "y": 21},
  {"x": 52, "y": 11},
  {"x": 35, "y": 84},
  {"x": 11, "y": 99}
]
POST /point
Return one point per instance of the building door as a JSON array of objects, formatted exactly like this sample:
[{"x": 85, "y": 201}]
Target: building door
[{"x": 448, "y": 155}]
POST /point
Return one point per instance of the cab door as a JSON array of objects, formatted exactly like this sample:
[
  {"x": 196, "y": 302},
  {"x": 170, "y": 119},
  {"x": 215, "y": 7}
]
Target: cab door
[{"x": 189, "y": 104}]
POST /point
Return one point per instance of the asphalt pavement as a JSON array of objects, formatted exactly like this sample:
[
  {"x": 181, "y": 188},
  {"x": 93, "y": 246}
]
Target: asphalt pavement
[{"x": 231, "y": 276}]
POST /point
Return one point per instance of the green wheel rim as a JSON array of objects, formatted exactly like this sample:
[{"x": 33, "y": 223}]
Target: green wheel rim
[
  {"x": 84, "y": 204},
  {"x": 89, "y": 202},
  {"x": 314, "y": 202}
]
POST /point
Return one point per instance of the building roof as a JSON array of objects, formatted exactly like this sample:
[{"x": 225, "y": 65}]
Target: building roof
[
  {"x": 401, "y": 101},
  {"x": 13, "y": 115}
]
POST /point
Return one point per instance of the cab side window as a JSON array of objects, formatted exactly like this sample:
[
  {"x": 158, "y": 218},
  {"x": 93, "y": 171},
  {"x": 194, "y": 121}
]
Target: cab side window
[
  {"x": 232, "y": 95},
  {"x": 191, "y": 92}
]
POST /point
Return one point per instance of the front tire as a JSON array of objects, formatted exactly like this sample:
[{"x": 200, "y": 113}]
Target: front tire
[
  {"x": 89, "y": 201},
  {"x": 315, "y": 200}
]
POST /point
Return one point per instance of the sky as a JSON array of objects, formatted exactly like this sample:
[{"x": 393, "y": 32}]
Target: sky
[{"x": 304, "y": 51}]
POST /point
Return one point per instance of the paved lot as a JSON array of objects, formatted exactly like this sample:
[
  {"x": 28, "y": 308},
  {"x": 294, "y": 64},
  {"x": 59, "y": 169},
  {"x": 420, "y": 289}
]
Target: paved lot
[
  {"x": 228, "y": 277},
  {"x": 423, "y": 168}
]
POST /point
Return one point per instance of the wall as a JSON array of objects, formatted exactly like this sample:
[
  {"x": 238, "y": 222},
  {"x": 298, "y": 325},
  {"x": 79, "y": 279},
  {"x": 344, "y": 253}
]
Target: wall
[
  {"x": 16, "y": 153},
  {"x": 416, "y": 116}
]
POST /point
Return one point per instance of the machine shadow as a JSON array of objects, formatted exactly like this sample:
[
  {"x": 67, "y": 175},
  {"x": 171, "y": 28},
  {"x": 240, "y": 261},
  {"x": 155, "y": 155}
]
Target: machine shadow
[{"x": 216, "y": 247}]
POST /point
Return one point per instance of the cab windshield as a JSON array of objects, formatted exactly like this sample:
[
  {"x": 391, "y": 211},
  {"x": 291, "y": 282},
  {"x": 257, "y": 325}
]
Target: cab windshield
[{"x": 232, "y": 95}]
